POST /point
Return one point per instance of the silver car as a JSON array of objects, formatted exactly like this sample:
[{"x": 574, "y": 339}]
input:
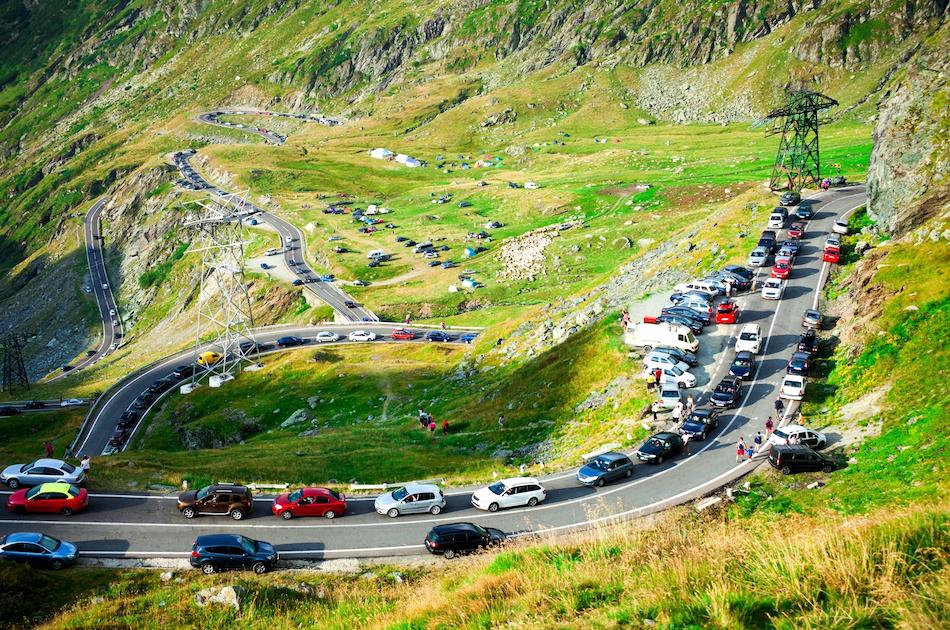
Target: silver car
[
  {"x": 758, "y": 257},
  {"x": 414, "y": 498},
  {"x": 41, "y": 471}
]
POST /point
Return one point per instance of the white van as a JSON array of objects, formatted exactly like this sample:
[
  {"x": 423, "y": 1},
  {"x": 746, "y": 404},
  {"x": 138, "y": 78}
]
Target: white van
[
  {"x": 777, "y": 218},
  {"x": 749, "y": 339},
  {"x": 703, "y": 286},
  {"x": 649, "y": 336},
  {"x": 376, "y": 253}
]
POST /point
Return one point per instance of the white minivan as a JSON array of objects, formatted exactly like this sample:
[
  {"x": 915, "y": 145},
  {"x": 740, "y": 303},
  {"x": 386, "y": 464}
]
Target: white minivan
[
  {"x": 649, "y": 336},
  {"x": 376, "y": 253},
  {"x": 702, "y": 286}
]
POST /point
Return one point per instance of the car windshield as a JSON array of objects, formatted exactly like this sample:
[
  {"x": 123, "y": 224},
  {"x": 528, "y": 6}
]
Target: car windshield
[
  {"x": 203, "y": 492},
  {"x": 675, "y": 371},
  {"x": 497, "y": 488},
  {"x": 33, "y": 492},
  {"x": 597, "y": 464},
  {"x": 49, "y": 543},
  {"x": 68, "y": 467},
  {"x": 741, "y": 362},
  {"x": 400, "y": 494},
  {"x": 25, "y": 467},
  {"x": 780, "y": 434},
  {"x": 295, "y": 496},
  {"x": 73, "y": 491},
  {"x": 747, "y": 336},
  {"x": 657, "y": 442},
  {"x": 248, "y": 545}
]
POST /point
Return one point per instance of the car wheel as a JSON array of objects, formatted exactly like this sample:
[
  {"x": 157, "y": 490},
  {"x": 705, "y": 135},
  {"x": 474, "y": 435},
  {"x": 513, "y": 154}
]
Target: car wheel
[
  {"x": 449, "y": 554},
  {"x": 56, "y": 565},
  {"x": 533, "y": 501},
  {"x": 493, "y": 507},
  {"x": 14, "y": 483},
  {"x": 600, "y": 482},
  {"x": 207, "y": 568},
  {"x": 628, "y": 473},
  {"x": 702, "y": 436},
  {"x": 393, "y": 513},
  {"x": 259, "y": 568},
  {"x": 286, "y": 515},
  {"x": 189, "y": 512},
  {"x": 435, "y": 509},
  {"x": 827, "y": 468},
  {"x": 648, "y": 349},
  {"x": 659, "y": 460},
  {"x": 329, "y": 514},
  {"x": 681, "y": 385},
  {"x": 786, "y": 470},
  {"x": 19, "y": 509},
  {"x": 236, "y": 514},
  {"x": 66, "y": 511}
]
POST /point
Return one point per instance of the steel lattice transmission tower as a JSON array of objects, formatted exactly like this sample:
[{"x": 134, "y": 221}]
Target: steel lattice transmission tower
[
  {"x": 225, "y": 319},
  {"x": 14, "y": 370},
  {"x": 797, "y": 163}
]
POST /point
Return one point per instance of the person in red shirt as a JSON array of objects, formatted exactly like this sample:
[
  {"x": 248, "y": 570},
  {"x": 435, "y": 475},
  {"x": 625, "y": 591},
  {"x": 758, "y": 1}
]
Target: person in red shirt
[{"x": 445, "y": 427}]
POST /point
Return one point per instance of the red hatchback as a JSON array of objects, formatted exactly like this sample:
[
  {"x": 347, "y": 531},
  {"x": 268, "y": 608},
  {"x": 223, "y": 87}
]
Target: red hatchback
[
  {"x": 402, "y": 333},
  {"x": 781, "y": 270},
  {"x": 797, "y": 231},
  {"x": 831, "y": 255},
  {"x": 727, "y": 313},
  {"x": 310, "y": 502},
  {"x": 49, "y": 498}
]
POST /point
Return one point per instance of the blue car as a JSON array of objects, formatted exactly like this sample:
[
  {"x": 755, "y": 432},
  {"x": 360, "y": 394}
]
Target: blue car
[
  {"x": 38, "y": 550},
  {"x": 604, "y": 468},
  {"x": 468, "y": 337},
  {"x": 437, "y": 335}
]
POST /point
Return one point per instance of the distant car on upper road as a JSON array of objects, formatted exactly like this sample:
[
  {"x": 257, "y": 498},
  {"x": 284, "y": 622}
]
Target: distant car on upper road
[
  {"x": 468, "y": 337},
  {"x": 41, "y": 471},
  {"x": 790, "y": 198},
  {"x": 437, "y": 335},
  {"x": 362, "y": 335},
  {"x": 660, "y": 447},
  {"x": 49, "y": 498},
  {"x": 69, "y": 402},
  {"x": 309, "y": 502},
  {"x": 38, "y": 550},
  {"x": 209, "y": 358},
  {"x": 9, "y": 411},
  {"x": 289, "y": 341},
  {"x": 604, "y": 469},
  {"x": 404, "y": 334},
  {"x": 326, "y": 336}
]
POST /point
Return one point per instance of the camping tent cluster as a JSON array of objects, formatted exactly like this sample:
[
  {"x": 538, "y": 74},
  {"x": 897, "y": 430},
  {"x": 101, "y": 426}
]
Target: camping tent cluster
[{"x": 401, "y": 158}]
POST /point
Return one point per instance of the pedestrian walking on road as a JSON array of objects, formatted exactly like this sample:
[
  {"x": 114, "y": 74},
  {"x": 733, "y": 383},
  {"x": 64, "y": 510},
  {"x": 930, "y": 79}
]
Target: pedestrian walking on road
[
  {"x": 779, "y": 408},
  {"x": 501, "y": 421},
  {"x": 48, "y": 448},
  {"x": 686, "y": 437},
  {"x": 654, "y": 408},
  {"x": 758, "y": 440},
  {"x": 677, "y": 411},
  {"x": 769, "y": 427},
  {"x": 740, "y": 450},
  {"x": 408, "y": 317},
  {"x": 749, "y": 451},
  {"x": 84, "y": 464},
  {"x": 690, "y": 404},
  {"x": 445, "y": 427}
]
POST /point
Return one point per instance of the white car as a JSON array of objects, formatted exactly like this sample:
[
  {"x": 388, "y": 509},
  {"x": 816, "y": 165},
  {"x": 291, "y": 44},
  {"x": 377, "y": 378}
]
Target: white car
[
  {"x": 507, "y": 493},
  {"x": 112, "y": 312},
  {"x": 699, "y": 286},
  {"x": 362, "y": 335},
  {"x": 105, "y": 285},
  {"x": 772, "y": 289},
  {"x": 669, "y": 395},
  {"x": 430, "y": 254},
  {"x": 70, "y": 401},
  {"x": 114, "y": 346},
  {"x": 697, "y": 305},
  {"x": 662, "y": 360},
  {"x": 833, "y": 241},
  {"x": 793, "y": 387},
  {"x": 840, "y": 226},
  {"x": 749, "y": 339},
  {"x": 675, "y": 374},
  {"x": 531, "y": 186},
  {"x": 797, "y": 434},
  {"x": 326, "y": 335}
]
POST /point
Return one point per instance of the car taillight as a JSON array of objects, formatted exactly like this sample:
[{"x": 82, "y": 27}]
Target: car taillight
[{"x": 194, "y": 554}]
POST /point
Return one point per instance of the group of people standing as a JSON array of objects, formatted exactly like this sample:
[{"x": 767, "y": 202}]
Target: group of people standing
[{"x": 426, "y": 421}]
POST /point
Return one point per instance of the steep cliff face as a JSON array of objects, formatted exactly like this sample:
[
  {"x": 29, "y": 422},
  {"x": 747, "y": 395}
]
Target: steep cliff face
[{"x": 909, "y": 174}]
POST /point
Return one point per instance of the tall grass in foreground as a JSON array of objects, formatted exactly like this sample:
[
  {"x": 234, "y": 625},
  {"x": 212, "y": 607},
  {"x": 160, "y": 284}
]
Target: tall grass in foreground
[{"x": 886, "y": 569}]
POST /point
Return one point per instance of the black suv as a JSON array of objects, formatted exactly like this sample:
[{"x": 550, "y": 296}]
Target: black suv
[
  {"x": 455, "y": 538},
  {"x": 808, "y": 342},
  {"x": 727, "y": 392},
  {"x": 235, "y": 501},
  {"x": 143, "y": 401},
  {"x": 798, "y": 458},
  {"x": 659, "y": 447},
  {"x": 215, "y": 552},
  {"x": 700, "y": 423}
]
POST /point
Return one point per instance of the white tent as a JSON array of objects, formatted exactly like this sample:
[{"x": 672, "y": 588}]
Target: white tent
[{"x": 381, "y": 154}]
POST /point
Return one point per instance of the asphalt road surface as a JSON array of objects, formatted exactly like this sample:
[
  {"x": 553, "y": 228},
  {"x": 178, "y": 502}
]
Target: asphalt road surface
[
  {"x": 127, "y": 525},
  {"x": 214, "y": 118},
  {"x": 101, "y": 288}
]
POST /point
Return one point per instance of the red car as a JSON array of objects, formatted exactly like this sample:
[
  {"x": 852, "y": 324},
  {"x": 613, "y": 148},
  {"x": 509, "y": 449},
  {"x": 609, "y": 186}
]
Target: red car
[
  {"x": 49, "y": 498},
  {"x": 402, "y": 333},
  {"x": 781, "y": 270},
  {"x": 831, "y": 255},
  {"x": 796, "y": 231},
  {"x": 727, "y": 313},
  {"x": 310, "y": 502}
]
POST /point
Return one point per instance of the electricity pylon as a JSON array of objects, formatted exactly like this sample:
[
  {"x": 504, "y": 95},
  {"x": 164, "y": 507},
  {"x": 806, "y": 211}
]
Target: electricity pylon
[
  {"x": 14, "y": 370},
  {"x": 225, "y": 319},
  {"x": 797, "y": 162}
]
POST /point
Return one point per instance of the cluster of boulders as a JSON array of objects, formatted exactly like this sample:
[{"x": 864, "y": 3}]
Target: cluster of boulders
[{"x": 523, "y": 256}]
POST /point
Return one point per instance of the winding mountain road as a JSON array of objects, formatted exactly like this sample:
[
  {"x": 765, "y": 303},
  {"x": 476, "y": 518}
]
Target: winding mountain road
[{"x": 127, "y": 525}]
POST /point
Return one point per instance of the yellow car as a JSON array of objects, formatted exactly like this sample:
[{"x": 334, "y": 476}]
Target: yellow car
[{"x": 209, "y": 358}]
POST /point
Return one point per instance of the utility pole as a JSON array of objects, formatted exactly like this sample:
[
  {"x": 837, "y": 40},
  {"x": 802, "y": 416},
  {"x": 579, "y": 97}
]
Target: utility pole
[
  {"x": 14, "y": 370},
  {"x": 797, "y": 163}
]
